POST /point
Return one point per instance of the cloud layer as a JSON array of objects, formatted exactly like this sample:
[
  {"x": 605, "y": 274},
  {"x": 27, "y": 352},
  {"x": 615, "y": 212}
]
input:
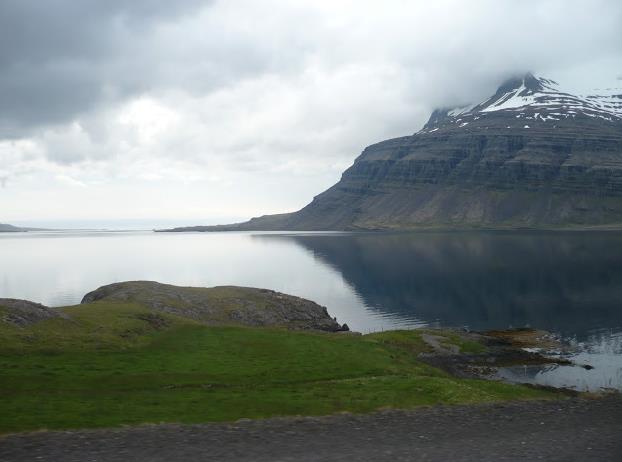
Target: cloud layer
[{"x": 210, "y": 110}]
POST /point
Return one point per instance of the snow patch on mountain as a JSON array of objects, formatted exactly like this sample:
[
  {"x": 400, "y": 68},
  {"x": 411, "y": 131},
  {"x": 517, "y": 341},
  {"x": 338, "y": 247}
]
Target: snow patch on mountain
[{"x": 538, "y": 99}]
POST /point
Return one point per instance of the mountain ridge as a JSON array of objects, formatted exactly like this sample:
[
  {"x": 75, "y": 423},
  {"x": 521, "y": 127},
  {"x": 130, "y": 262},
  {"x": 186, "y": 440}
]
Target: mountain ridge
[{"x": 530, "y": 156}]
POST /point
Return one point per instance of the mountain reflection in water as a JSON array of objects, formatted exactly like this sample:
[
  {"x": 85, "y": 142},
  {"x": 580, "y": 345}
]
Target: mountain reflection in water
[{"x": 566, "y": 282}]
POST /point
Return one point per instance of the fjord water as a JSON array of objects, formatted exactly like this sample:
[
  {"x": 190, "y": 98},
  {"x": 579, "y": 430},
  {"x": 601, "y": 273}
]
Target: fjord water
[{"x": 569, "y": 283}]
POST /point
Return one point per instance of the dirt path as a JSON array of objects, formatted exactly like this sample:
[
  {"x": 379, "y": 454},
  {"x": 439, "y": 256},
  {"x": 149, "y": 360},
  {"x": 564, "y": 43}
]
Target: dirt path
[{"x": 570, "y": 430}]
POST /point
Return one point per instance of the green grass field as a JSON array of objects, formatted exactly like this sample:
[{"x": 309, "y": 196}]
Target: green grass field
[{"x": 119, "y": 364}]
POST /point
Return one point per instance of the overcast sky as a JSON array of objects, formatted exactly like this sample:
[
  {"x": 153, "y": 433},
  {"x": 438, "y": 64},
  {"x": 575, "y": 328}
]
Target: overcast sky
[{"x": 193, "y": 112}]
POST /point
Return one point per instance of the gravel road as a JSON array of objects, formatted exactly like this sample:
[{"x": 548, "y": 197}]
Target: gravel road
[{"x": 570, "y": 430}]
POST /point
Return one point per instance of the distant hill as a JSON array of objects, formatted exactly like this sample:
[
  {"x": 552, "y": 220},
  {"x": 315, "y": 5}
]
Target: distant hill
[
  {"x": 531, "y": 155},
  {"x": 4, "y": 228},
  {"x": 9, "y": 228}
]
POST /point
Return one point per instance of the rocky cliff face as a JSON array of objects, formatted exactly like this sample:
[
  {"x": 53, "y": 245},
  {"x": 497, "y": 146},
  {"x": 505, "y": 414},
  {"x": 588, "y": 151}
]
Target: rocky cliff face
[{"x": 532, "y": 155}]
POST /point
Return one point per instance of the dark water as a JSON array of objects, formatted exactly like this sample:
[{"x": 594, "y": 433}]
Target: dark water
[{"x": 569, "y": 283}]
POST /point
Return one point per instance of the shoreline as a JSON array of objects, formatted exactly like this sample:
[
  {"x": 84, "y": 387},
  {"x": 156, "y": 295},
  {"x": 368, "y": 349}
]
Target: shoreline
[{"x": 229, "y": 228}]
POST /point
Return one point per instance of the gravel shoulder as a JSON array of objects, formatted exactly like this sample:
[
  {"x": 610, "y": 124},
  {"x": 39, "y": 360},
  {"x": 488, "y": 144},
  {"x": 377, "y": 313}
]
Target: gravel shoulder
[{"x": 576, "y": 429}]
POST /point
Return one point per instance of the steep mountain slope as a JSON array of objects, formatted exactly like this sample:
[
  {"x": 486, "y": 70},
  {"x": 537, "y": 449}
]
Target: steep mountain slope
[{"x": 532, "y": 155}]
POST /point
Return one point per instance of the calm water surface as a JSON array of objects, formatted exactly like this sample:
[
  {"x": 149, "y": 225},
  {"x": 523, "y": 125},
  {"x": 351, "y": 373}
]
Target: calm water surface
[{"x": 569, "y": 283}]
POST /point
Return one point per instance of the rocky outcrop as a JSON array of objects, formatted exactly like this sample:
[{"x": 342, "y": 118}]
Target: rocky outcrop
[
  {"x": 24, "y": 313},
  {"x": 221, "y": 305},
  {"x": 532, "y": 155}
]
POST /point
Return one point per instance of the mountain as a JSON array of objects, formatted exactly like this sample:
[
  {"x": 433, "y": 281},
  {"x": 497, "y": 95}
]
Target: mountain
[
  {"x": 4, "y": 228},
  {"x": 531, "y": 155},
  {"x": 9, "y": 228}
]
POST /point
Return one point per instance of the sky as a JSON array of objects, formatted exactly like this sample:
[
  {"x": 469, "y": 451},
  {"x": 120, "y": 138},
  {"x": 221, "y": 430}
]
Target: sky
[{"x": 154, "y": 113}]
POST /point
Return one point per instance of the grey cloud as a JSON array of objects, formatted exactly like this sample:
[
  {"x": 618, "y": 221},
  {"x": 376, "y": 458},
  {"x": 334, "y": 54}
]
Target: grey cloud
[
  {"x": 55, "y": 29},
  {"x": 60, "y": 58}
]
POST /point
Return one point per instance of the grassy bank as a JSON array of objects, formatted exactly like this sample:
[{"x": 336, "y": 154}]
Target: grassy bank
[{"x": 119, "y": 364}]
